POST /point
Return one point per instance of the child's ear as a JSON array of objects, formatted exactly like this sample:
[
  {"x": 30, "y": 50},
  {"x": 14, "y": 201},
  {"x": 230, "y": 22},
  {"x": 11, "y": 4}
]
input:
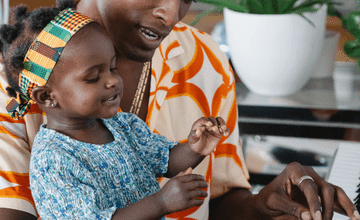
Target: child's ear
[{"x": 42, "y": 96}]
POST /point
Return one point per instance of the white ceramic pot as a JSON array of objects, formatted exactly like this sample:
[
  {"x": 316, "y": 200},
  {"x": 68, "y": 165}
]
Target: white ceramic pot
[
  {"x": 274, "y": 54},
  {"x": 326, "y": 63}
]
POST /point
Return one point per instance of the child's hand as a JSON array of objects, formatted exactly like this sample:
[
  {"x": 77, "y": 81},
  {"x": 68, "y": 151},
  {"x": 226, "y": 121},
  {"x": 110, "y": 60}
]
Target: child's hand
[
  {"x": 206, "y": 133},
  {"x": 182, "y": 192}
]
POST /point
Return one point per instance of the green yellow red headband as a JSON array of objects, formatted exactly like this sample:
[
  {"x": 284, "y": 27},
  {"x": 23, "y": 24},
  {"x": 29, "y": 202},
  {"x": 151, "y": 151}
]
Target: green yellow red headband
[{"x": 42, "y": 56}]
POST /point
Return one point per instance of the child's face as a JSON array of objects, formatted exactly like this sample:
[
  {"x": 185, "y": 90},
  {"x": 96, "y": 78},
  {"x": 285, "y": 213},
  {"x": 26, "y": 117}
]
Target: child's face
[{"x": 84, "y": 82}]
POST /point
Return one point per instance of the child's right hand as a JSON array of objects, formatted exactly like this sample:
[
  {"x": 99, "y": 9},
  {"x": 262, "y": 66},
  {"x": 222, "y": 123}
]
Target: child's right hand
[{"x": 182, "y": 192}]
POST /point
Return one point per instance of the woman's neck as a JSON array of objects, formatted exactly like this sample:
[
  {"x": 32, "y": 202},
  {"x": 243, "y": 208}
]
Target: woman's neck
[
  {"x": 82, "y": 130},
  {"x": 130, "y": 73}
]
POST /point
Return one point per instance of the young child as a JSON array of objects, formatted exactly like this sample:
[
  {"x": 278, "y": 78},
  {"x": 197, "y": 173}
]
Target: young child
[{"x": 89, "y": 161}]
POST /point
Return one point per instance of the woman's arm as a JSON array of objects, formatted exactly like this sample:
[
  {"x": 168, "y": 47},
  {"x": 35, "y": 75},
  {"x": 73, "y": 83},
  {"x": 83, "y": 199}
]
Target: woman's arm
[
  {"x": 238, "y": 203},
  {"x": 285, "y": 199},
  {"x": 15, "y": 144},
  {"x": 12, "y": 214}
]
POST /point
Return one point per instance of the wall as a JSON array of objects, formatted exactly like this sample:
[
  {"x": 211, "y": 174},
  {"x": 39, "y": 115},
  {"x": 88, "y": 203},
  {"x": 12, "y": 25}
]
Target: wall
[
  {"x": 207, "y": 23},
  {"x": 33, "y": 3}
]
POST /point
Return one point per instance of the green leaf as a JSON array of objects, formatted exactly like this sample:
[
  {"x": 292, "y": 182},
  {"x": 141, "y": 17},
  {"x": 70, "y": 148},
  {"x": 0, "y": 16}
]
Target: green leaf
[
  {"x": 306, "y": 19},
  {"x": 256, "y": 7},
  {"x": 268, "y": 6},
  {"x": 310, "y": 9},
  {"x": 352, "y": 49},
  {"x": 284, "y": 6},
  {"x": 352, "y": 23},
  {"x": 275, "y": 6},
  {"x": 307, "y": 4},
  {"x": 332, "y": 11}
]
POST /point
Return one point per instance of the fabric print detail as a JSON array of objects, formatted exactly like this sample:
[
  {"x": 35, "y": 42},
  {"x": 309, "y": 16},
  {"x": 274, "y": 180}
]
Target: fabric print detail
[
  {"x": 75, "y": 180},
  {"x": 11, "y": 183},
  {"x": 174, "y": 50}
]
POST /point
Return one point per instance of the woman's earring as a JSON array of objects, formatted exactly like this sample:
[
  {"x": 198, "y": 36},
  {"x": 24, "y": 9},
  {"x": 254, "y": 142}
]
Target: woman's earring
[{"x": 53, "y": 104}]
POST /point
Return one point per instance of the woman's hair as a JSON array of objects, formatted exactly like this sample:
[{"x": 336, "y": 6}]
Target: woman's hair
[{"x": 15, "y": 40}]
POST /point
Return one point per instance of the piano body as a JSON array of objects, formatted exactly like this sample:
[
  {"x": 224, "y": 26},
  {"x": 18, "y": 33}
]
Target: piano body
[{"x": 345, "y": 172}]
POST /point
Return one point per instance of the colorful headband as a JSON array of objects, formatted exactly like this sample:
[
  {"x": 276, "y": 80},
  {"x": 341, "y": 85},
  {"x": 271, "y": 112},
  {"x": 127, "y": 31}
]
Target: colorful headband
[{"x": 42, "y": 56}]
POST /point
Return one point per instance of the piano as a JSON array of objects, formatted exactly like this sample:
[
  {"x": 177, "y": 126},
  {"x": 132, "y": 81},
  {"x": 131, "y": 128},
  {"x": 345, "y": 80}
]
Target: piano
[{"x": 345, "y": 172}]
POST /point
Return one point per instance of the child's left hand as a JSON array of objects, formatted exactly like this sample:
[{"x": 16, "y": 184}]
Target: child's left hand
[{"x": 206, "y": 133}]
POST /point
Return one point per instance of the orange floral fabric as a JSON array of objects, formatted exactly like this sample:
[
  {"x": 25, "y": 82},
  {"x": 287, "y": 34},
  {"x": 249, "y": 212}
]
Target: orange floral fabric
[{"x": 191, "y": 78}]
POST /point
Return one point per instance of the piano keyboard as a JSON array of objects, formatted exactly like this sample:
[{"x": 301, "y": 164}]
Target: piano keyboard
[{"x": 345, "y": 172}]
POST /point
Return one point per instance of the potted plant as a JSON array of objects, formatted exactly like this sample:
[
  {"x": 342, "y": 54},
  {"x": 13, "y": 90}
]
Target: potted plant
[
  {"x": 274, "y": 44},
  {"x": 351, "y": 22}
]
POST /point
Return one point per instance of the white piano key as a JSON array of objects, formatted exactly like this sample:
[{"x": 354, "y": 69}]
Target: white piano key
[{"x": 345, "y": 171}]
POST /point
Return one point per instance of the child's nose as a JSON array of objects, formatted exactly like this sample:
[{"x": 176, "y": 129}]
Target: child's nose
[{"x": 113, "y": 80}]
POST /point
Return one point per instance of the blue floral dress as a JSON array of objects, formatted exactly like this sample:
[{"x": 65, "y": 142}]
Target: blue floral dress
[{"x": 76, "y": 180}]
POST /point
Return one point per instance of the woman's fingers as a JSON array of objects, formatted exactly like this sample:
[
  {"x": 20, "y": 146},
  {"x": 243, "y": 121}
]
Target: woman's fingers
[
  {"x": 286, "y": 205},
  {"x": 344, "y": 205},
  {"x": 310, "y": 190},
  {"x": 299, "y": 187},
  {"x": 328, "y": 194},
  {"x": 305, "y": 180},
  {"x": 331, "y": 196}
]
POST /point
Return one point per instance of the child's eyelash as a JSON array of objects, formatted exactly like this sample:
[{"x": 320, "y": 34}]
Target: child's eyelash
[
  {"x": 98, "y": 77},
  {"x": 93, "y": 80}
]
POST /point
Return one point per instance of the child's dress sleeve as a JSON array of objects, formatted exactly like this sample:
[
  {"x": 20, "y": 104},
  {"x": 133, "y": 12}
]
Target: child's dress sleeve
[
  {"x": 154, "y": 148},
  {"x": 62, "y": 188}
]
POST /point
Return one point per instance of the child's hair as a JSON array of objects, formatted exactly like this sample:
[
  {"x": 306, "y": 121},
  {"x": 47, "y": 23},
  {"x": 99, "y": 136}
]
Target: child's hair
[{"x": 15, "y": 40}]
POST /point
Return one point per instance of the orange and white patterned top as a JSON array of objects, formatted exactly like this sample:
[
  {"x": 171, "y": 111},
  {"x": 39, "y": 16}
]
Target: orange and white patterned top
[{"x": 191, "y": 78}]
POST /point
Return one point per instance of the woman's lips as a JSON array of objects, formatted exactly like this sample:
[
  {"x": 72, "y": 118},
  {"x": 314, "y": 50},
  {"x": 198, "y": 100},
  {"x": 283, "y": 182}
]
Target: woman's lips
[
  {"x": 150, "y": 39},
  {"x": 148, "y": 34}
]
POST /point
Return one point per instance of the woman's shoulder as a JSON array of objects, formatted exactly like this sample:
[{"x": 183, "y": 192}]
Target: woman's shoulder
[
  {"x": 183, "y": 45},
  {"x": 184, "y": 33}
]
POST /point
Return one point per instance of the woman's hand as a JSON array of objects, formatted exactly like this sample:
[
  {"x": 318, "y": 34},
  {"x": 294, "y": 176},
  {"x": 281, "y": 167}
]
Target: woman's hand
[
  {"x": 206, "y": 133},
  {"x": 182, "y": 192},
  {"x": 283, "y": 198}
]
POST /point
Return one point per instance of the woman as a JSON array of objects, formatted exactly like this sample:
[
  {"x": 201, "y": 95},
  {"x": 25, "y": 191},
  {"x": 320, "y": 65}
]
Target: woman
[{"x": 189, "y": 77}]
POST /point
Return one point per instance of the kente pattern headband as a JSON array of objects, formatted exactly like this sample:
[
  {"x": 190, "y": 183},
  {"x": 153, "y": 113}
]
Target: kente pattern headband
[{"x": 42, "y": 56}]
